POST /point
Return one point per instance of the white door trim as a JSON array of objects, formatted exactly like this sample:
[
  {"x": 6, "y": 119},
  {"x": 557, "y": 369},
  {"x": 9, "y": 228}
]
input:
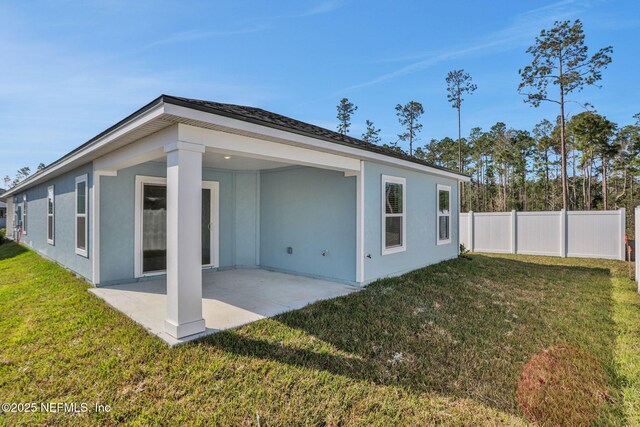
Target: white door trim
[
  {"x": 214, "y": 186},
  {"x": 141, "y": 180}
]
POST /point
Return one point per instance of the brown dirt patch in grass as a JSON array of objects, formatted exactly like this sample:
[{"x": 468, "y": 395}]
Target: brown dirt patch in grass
[{"x": 562, "y": 386}]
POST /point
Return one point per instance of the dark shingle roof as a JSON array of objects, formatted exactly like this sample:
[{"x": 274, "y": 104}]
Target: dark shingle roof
[
  {"x": 278, "y": 121},
  {"x": 247, "y": 114}
]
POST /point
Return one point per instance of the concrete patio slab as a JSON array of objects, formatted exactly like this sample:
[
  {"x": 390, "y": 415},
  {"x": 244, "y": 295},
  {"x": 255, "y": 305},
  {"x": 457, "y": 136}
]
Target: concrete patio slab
[{"x": 230, "y": 298}]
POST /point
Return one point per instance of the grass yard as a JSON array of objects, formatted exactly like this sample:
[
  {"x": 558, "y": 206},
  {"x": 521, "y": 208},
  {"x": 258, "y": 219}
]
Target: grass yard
[{"x": 481, "y": 341}]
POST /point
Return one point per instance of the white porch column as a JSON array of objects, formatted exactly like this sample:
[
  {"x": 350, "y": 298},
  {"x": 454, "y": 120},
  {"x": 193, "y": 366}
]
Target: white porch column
[
  {"x": 184, "y": 239},
  {"x": 360, "y": 225}
]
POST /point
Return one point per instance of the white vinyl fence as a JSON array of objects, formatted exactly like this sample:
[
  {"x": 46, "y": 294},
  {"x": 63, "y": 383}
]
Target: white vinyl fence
[{"x": 586, "y": 234}]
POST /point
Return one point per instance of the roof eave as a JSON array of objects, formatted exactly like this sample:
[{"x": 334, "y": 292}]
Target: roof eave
[
  {"x": 182, "y": 103},
  {"x": 41, "y": 174},
  {"x": 83, "y": 149}
]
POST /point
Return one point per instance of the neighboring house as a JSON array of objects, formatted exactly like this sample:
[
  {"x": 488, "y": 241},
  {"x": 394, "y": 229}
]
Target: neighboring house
[
  {"x": 183, "y": 184},
  {"x": 3, "y": 211}
]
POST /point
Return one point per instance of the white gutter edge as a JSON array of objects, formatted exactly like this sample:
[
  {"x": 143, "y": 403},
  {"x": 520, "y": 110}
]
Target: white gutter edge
[
  {"x": 39, "y": 177},
  {"x": 189, "y": 113}
]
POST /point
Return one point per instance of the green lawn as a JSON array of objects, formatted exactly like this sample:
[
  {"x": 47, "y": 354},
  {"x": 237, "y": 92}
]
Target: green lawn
[{"x": 449, "y": 344}]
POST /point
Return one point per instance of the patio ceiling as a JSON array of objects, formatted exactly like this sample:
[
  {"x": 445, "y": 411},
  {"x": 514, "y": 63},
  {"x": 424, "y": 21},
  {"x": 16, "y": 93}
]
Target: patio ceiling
[{"x": 218, "y": 160}]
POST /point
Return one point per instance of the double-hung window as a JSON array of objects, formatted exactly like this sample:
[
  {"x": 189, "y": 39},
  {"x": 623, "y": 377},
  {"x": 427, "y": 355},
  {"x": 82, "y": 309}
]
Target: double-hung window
[
  {"x": 50, "y": 215},
  {"x": 17, "y": 214},
  {"x": 394, "y": 230},
  {"x": 444, "y": 214},
  {"x": 24, "y": 214},
  {"x": 82, "y": 200}
]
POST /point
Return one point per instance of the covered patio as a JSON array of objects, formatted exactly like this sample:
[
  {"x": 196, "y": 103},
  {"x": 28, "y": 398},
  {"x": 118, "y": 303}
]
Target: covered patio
[
  {"x": 207, "y": 192},
  {"x": 230, "y": 298}
]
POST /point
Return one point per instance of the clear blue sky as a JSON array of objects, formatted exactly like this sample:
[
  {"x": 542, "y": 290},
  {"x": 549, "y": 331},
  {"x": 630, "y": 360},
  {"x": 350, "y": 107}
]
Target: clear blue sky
[{"x": 69, "y": 69}]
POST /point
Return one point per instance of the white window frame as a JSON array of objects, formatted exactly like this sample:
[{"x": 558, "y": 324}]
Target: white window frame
[
  {"x": 52, "y": 215},
  {"x": 24, "y": 215},
  {"x": 440, "y": 188},
  {"x": 83, "y": 252},
  {"x": 141, "y": 181},
  {"x": 17, "y": 220},
  {"x": 393, "y": 180}
]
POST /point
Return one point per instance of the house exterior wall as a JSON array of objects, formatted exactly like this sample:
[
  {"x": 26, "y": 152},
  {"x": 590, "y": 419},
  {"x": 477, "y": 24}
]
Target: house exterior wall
[
  {"x": 261, "y": 214},
  {"x": 421, "y": 232},
  {"x": 238, "y": 209},
  {"x": 310, "y": 210},
  {"x": 246, "y": 215},
  {"x": 63, "y": 250},
  {"x": 9, "y": 224}
]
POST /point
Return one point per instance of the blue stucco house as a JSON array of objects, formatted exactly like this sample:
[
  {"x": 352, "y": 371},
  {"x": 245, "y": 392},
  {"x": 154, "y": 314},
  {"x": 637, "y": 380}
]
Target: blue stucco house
[
  {"x": 3, "y": 214},
  {"x": 183, "y": 184}
]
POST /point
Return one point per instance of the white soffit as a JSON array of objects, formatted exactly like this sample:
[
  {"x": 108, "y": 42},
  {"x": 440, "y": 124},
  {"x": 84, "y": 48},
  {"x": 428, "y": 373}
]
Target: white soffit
[{"x": 166, "y": 114}]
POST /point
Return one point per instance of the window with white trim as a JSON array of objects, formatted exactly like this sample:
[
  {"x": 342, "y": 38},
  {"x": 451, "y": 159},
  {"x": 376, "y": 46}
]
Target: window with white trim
[
  {"x": 444, "y": 214},
  {"x": 82, "y": 204},
  {"x": 17, "y": 214},
  {"x": 24, "y": 214},
  {"x": 394, "y": 231},
  {"x": 50, "y": 215}
]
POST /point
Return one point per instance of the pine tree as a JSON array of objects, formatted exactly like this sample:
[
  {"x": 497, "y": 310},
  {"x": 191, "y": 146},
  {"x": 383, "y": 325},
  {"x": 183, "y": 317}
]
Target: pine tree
[
  {"x": 372, "y": 134},
  {"x": 345, "y": 111},
  {"x": 560, "y": 58},
  {"x": 409, "y": 116}
]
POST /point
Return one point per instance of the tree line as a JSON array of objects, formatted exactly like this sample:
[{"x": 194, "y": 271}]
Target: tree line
[
  {"x": 582, "y": 162},
  {"x": 21, "y": 174}
]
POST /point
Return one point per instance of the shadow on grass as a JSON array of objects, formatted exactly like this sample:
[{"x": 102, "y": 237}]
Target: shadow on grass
[
  {"x": 462, "y": 328},
  {"x": 11, "y": 249}
]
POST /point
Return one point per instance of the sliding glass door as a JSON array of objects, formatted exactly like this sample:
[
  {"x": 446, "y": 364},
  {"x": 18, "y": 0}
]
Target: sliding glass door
[
  {"x": 153, "y": 226},
  {"x": 206, "y": 226}
]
